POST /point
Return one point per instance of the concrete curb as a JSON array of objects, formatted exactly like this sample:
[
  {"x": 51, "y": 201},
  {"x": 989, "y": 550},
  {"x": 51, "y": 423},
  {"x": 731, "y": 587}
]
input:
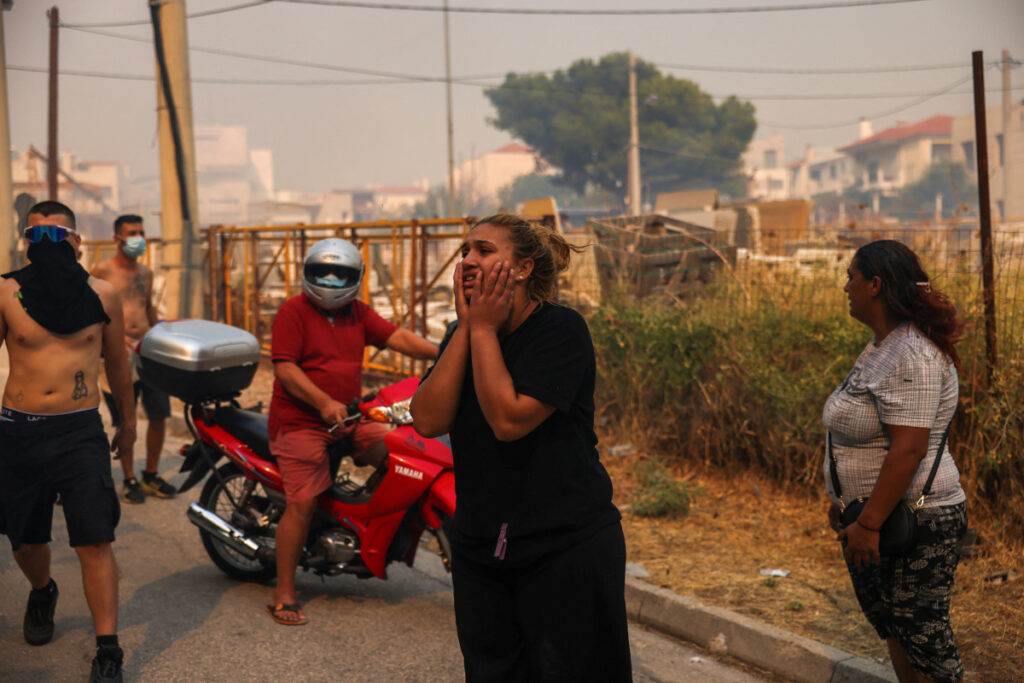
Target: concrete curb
[{"x": 788, "y": 655}]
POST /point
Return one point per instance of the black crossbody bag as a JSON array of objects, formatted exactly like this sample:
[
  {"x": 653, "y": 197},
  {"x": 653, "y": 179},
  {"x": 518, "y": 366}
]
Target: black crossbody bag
[{"x": 896, "y": 537}]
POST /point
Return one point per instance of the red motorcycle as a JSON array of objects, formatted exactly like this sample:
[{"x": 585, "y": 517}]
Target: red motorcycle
[{"x": 358, "y": 528}]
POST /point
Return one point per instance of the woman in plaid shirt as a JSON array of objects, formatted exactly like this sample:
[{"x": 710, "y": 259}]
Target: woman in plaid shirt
[{"x": 886, "y": 421}]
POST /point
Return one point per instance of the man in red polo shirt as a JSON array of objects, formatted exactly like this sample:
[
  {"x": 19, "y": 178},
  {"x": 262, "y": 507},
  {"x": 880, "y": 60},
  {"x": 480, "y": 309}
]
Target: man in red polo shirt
[{"x": 317, "y": 348}]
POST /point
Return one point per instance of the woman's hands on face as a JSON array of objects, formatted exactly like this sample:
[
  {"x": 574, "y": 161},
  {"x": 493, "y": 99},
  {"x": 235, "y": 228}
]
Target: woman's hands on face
[
  {"x": 861, "y": 545},
  {"x": 491, "y": 302}
]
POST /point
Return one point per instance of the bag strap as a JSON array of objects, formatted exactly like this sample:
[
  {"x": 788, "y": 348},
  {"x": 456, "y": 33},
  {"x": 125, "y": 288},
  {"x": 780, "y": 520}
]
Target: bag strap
[
  {"x": 935, "y": 465},
  {"x": 833, "y": 468},
  {"x": 927, "y": 484}
]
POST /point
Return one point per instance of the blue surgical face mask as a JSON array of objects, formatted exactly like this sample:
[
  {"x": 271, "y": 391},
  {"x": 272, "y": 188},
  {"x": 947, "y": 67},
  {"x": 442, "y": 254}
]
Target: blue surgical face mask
[
  {"x": 134, "y": 247},
  {"x": 331, "y": 280}
]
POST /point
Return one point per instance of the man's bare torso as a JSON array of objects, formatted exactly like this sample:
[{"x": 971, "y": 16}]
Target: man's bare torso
[
  {"x": 135, "y": 285},
  {"x": 50, "y": 373}
]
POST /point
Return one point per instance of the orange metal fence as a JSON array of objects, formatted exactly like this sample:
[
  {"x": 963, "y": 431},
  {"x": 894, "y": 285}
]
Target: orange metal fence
[{"x": 408, "y": 265}]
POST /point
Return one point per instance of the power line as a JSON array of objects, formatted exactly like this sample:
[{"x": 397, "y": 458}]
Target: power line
[
  {"x": 497, "y": 10},
  {"x": 599, "y": 12},
  {"x": 823, "y": 71},
  {"x": 194, "y": 15},
  {"x": 214, "y": 81},
  {"x": 877, "y": 115},
  {"x": 468, "y": 80},
  {"x": 274, "y": 60}
]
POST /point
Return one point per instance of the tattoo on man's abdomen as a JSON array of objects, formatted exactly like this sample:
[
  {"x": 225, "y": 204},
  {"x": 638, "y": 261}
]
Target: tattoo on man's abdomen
[{"x": 81, "y": 391}]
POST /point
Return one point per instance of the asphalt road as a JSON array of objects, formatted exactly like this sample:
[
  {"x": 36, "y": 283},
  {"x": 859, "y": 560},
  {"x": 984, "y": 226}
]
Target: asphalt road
[{"x": 182, "y": 619}]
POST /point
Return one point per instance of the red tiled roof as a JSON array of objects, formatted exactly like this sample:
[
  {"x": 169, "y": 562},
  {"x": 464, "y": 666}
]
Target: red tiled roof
[
  {"x": 514, "y": 148},
  {"x": 936, "y": 125}
]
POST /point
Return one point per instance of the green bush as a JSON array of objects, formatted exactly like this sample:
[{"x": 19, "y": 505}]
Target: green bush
[{"x": 659, "y": 494}]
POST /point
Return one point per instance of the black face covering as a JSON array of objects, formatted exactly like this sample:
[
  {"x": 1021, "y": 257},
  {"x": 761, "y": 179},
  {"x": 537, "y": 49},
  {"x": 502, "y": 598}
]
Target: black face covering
[{"x": 55, "y": 289}]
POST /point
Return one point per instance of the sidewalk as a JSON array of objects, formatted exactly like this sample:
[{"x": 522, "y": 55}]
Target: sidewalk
[{"x": 785, "y": 654}]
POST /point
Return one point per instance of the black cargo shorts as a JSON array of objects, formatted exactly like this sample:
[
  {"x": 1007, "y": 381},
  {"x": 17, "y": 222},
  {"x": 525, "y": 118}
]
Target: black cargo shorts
[{"x": 43, "y": 455}]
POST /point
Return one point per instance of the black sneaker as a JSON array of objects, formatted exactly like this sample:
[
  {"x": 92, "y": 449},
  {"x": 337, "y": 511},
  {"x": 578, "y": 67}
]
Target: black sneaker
[
  {"x": 154, "y": 485},
  {"x": 106, "y": 665},
  {"x": 131, "y": 491},
  {"x": 38, "y": 627}
]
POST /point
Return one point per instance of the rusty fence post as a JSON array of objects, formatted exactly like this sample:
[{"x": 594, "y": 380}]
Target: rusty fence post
[{"x": 985, "y": 215}]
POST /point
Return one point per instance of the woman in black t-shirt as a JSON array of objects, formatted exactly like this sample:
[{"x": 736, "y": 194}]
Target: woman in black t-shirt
[{"x": 539, "y": 556}]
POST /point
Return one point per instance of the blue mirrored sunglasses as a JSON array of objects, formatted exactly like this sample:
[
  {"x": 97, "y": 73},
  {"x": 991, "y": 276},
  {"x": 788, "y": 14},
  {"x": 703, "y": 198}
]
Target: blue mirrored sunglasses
[{"x": 55, "y": 233}]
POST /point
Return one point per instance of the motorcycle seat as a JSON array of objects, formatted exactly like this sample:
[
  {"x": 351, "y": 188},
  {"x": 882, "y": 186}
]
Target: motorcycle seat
[{"x": 248, "y": 427}]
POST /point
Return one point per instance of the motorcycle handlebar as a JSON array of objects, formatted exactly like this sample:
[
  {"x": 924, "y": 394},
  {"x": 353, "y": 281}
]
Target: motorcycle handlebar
[{"x": 353, "y": 414}]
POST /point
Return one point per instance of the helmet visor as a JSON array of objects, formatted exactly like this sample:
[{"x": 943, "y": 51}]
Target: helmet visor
[{"x": 331, "y": 275}]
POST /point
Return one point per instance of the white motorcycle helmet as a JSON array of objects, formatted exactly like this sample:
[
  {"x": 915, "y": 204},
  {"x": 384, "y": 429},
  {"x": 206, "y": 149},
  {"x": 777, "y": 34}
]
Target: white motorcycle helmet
[{"x": 332, "y": 273}]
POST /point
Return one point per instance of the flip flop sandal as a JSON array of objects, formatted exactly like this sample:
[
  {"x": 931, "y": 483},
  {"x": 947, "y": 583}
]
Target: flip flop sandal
[{"x": 275, "y": 612}]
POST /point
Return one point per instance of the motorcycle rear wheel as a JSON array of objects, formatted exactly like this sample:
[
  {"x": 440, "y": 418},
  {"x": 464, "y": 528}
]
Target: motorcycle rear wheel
[{"x": 214, "y": 498}]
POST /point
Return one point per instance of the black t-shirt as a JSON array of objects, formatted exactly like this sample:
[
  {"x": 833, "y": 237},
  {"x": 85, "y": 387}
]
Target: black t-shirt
[{"x": 548, "y": 490}]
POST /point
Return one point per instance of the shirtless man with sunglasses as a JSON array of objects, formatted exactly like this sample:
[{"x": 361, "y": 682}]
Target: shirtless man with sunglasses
[{"x": 56, "y": 321}]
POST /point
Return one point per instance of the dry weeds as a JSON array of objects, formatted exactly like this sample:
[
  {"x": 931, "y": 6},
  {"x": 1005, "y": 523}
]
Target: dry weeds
[{"x": 742, "y": 523}]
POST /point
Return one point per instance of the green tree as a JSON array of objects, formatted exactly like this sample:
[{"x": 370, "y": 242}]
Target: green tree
[
  {"x": 578, "y": 121},
  {"x": 951, "y": 180}
]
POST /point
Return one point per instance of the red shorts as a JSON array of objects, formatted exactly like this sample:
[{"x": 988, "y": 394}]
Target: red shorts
[{"x": 302, "y": 455}]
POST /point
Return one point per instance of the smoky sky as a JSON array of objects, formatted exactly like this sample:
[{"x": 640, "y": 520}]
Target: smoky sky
[{"x": 372, "y": 109}]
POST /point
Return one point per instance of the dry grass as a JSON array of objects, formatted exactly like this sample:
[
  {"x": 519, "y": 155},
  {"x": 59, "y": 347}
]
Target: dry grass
[{"x": 742, "y": 523}]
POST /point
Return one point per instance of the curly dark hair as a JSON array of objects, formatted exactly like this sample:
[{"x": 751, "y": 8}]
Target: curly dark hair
[
  {"x": 549, "y": 251},
  {"x": 908, "y": 294}
]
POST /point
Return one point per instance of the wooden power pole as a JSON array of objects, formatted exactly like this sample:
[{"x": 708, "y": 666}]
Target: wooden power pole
[
  {"x": 633, "y": 160},
  {"x": 8, "y": 238},
  {"x": 451, "y": 126},
  {"x": 51, "y": 130},
  {"x": 178, "y": 198},
  {"x": 985, "y": 215},
  {"x": 1006, "y": 156}
]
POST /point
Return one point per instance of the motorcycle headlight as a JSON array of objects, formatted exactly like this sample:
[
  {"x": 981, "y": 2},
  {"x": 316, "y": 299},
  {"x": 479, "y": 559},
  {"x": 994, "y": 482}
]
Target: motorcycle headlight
[{"x": 396, "y": 413}]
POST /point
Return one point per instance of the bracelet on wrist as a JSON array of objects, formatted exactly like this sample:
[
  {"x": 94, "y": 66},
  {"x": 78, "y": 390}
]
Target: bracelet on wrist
[{"x": 864, "y": 526}]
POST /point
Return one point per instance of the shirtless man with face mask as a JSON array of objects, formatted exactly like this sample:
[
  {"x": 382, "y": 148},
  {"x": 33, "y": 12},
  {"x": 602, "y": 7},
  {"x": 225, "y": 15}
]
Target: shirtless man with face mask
[
  {"x": 134, "y": 282},
  {"x": 56, "y": 321}
]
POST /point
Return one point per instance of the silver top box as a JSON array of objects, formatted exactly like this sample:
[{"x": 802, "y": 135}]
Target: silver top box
[{"x": 199, "y": 345}]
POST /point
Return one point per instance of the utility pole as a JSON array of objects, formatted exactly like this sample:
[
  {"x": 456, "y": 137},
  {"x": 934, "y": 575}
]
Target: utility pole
[
  {"x": 985, "y": 215},
  {"x": 51, "y": 132},
  {"x": 1006, "y": 134},
  {"x": 633, "y": 160},
  {"x": 451, "y": 127},
  {"x": 8, "y": 238},
  {"x": 178, "y": 197}
]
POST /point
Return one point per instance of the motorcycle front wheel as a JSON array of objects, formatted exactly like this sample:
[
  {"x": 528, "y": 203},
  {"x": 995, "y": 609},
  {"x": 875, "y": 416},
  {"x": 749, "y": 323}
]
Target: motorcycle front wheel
[
  {"x": 442, "y": 536},
  {"x": 215, "y": 498}
]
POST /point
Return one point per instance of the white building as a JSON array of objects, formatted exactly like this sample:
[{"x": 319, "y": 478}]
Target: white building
[
  {"x": 900, "y": 155},
  {"x": 481, "y": 177},
  {"x": 93, "y": 189},
  {"x": 235, "y": 183},
  {"x": 1005, "y": 157},
  {"x": 816, "y": 174},
  {"x": 765, "y": 167}
]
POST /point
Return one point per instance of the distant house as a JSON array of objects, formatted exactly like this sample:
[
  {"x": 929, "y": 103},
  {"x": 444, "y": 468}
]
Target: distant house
[
  {"x": 816, "y": 174},
  {"x": 235, "y": 183},
  {"x": 481, "y": 177},
  {"x": 93, "y": 189},
  {"x": 374, "y": 202},
  {"x": 764, "y": 165},
  {"x": 1005, "y": 157},
  {"x": 898, "y": 156}
]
